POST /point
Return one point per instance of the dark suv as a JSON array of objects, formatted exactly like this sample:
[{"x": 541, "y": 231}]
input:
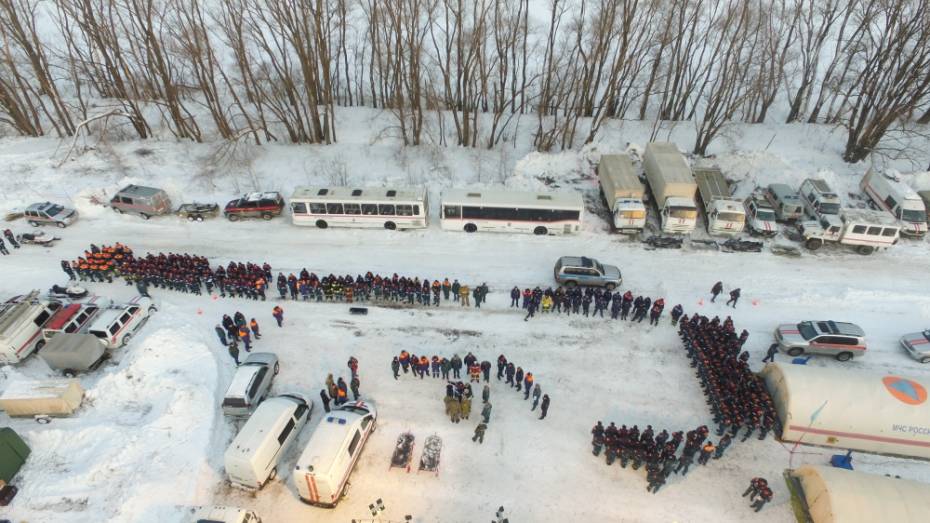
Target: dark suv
[{"x": 264, "y": 205}]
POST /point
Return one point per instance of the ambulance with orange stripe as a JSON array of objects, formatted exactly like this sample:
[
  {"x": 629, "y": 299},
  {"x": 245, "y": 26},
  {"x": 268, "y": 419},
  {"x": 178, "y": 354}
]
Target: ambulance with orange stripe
[
  {"x": 322, "y": 472},
  {"x": 841, "y": 340},
  {"x": 21, "y": 322},
  {"x": 917, "y": 344}
]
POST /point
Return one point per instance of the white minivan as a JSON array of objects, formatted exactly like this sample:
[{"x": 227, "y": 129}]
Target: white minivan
[
  {"x": 253, "y": 456},
  {"x": 21, "y": 321},
  {"x": 891, "y": 194},
  {"x": 115, "y": 325},
  {"x": 322, "y": 472}
]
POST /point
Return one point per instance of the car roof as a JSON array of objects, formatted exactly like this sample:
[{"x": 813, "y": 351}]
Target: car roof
[
  {"x": 328, "y": 437},
  {"x": 139, "y": 191},
  {"x": 577, "y": 261},
  {"x": 256, "y": 196},
  {"x": 41, "y": 206},
  {"x": 839, "y": 327},
  {"x": 63, "y": 316},
  {"x": 242, "y": 378}
]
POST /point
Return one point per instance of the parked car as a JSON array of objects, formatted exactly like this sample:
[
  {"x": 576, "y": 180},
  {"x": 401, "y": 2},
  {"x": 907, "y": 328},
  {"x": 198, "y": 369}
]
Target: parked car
[
  {"x": 115, "y": 325},
  {"x": 760, "y": 216},
  {"x": 48, "y": 213},
  {"x": 72, "y": 318},
  {"x": 250, "y": 383},
  {"x": 786, "y": 202},
  {"x": 917, "y": 344},
  {"x": 321, "y": 475},
  {"x": 140, "y": 200},
  {"x": 888, "y": 192},
  {"x": 252, "y": 459},
  {"x": 21, "y": 322},
  {"x": 264, "y": 205},
  {"x": 839, "y": 339},
  {"x": 580, "y": 270}
]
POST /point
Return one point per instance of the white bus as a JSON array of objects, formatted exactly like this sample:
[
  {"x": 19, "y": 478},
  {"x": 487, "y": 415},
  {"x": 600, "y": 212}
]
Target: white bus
[
  {"x": 379, "y": 207},
  {"x": 511, "y": 211}
]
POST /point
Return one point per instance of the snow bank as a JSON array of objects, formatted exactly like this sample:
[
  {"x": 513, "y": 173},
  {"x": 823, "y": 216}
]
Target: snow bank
[{"x": 134, "y": 445}]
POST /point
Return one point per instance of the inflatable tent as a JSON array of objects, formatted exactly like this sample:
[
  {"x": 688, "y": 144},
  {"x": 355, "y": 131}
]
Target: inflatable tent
[
  {"x": 835, "y": 495},
  {"x": 849, "y": 409}
]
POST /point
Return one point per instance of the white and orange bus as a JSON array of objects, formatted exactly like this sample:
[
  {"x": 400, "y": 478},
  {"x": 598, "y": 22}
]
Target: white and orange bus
[
  {"x": 470, "y": 210},
  {"x": 372, "y": 207}
]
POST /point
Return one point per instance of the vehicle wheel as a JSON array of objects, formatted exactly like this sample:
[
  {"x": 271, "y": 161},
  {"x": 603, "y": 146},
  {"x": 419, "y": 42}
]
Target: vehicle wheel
[
  {"x": 571, "y": 284},
  {"x": 345, "y": 490},
  {"x": 277, "y": 368},
  {"x": 844, "y": 356},
  {"x": 470, "y": 227},
  {"x": 232, "y": 217},
  {"x": 199, "y": 218},
  {"x": 267, "y": 216},
  {"x": 813, "y": 244},
  {"x": 144, "y": 216},
  {"x": 39, "y": 345},
  {"x": 610, "y": 286},
  {"x": 153, "y": 308},
  {"x": 117, "y": 210},
  {"x": 273, "y": 475},
  {"x": 61, "y": 225},
  {"x": 125, "y": 340},
  {"x": 321, "y": 224},
  {"x": 190, "y": 218},
  {"x": 540, "y": 231},
  {"x": 69, "y": 373},
  {"x": 797, "y": 351},
  {"x": 34, "y": 224},
  {"x": 865, "y": 250},
  {"x": 390, "y": 226},
  {"x": 925, "y": 359}
]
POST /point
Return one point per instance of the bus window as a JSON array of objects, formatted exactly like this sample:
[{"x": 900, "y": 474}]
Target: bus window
[
  {"x": 416, "y": 210},
  {"x": 334, "y": 208},
  {"x": 369, "y": 209},
  {"x": 299, "y": 208},
  {"x": 353, "y": 208},
  {"x": 452, "y": 211},
  {"x": 386, "y": 210},
  {"x": 889, "y": 232},
  {"x": 875, "y": 231},
  {"x": 858, "y": 229},
  {"x": 317, "y": 208},
  {"x": 404, "y": 210}
]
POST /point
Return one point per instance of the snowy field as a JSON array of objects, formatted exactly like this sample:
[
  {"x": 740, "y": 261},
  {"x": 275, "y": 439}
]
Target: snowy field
[{"x": 150, "y": 436}]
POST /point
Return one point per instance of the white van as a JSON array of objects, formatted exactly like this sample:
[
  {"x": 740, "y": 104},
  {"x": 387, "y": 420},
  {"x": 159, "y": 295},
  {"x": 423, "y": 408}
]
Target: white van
[
  {"x": 220, "y": 514},
  {"x": 322, "y": 472},
  {"x": 819, "y": 199},
  {"x": 21, "y": 322},
  {"x": 117, "y": 324},
  {"x": 253, "y": 456},
  {"x": 888, "y": 192}
]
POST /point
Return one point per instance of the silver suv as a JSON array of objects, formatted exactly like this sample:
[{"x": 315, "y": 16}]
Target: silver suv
[
  {"x": 48, "y": 213},
  {"x": 833, "y": 338},
  {"x": 579, "y": 270},
  {"x": 250, "y": 384}
]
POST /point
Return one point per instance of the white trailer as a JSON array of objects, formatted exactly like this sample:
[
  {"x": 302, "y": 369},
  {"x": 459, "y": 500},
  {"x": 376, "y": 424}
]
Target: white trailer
[
  {"x": 623, "y": 192},
  {"x": 725, "y": 215},
  {"x": 672, "y": 185},
  {"x": 865, "y": 229},
  {"x": 891, "y": 194}
]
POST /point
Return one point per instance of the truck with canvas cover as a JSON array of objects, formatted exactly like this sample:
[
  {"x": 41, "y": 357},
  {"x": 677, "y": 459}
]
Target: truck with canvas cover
[
  {"x": 672, "y": 186},
  {"x": 889, "y": 193},
  {"x": 623, "y": 192},
  {"x": 73, "y": 353},
  {"x": 21, "y": 322},
  {"x": 29, "y": 397},
  {"x": 13, "y": 454},
  {"x": 725, "y": 215},
  {"x": 865, "y": 229}
]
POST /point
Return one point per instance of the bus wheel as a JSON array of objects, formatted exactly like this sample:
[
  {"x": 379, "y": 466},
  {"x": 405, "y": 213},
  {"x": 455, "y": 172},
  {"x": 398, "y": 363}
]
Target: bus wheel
[
  {"x": 470, "y": 227},
  {"x": 813, "y": 244},
  {"x": 844, "y": 356},
  {"x": 865, "y": 250},
  {"x": 540, "y": 231},
  {"x": 390, "y": 226},
  {"x": 321, "y": 224}
]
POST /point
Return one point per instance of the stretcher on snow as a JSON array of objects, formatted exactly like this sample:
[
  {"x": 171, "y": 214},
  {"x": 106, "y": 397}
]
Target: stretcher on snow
[
  {"x": 403, "y": 451},
  {"x": 36, "y": 238}
]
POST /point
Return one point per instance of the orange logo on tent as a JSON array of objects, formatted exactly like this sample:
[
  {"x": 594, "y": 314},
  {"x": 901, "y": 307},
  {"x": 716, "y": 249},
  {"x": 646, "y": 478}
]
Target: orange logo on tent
[{"x": 905, "y": 390}]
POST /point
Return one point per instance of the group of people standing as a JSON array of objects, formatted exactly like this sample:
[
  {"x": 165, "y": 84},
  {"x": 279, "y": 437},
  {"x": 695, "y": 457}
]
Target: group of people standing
[
  {"x": 337, "y": 390},
  {"x": 234, "y": 329},
  {"x": 575, "y": 300}
]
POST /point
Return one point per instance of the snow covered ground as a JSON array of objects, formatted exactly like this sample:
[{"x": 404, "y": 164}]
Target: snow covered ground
[{"x": 150, "y": 436}]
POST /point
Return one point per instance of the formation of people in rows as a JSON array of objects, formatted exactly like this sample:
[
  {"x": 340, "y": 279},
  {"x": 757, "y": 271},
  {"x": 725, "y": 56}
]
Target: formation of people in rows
[{"x": 575, "y": 300}]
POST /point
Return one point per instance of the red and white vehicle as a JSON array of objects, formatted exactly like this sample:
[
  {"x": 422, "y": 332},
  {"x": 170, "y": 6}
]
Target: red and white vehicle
[
  {"x": 366, "y": 207},
  {"x": 557, "y": 212},
  {"x": 841, "y": 340},
  {"x": 115, "y": 325},
  {"x": 21, "y": 322},
  {"x": 322, "y": 473},
  {"x": 917, "y": 345},
  {"x": 890, "y": 193},
  {"x": 72, "y": 318}
]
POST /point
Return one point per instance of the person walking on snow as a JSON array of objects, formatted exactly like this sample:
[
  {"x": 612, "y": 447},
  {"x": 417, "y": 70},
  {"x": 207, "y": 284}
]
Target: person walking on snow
[
  {"x": 395, "y": 367},
  {"x": 278, "y": 314},
  {"x": 479, "y": 433},
  {"x": 245, "y": 338},
  {"x": 234, "y": 351},
  {"x": 734, "y": 297},
  {"x": 325, "y": 399},
  {"x": 254, "y": 326},
  {"x": 486, "y": 412},
  {"x": 770, "y": 354},
  {"x": 354, "y": 384},
  {"x": 221, "y": 334},
  {"x": 515, "y": 297},
  {"x": 715, "y": 290},
  {"x": 485, "y": 394},
  {"x": 537, "y": 391},
  {"x": 544, "y": 406}
]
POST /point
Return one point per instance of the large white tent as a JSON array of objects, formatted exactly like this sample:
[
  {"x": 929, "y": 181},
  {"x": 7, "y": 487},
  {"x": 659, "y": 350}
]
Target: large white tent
[
  {"x": 843, "y": 408},
  {"x": 844, "y": 496}
]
